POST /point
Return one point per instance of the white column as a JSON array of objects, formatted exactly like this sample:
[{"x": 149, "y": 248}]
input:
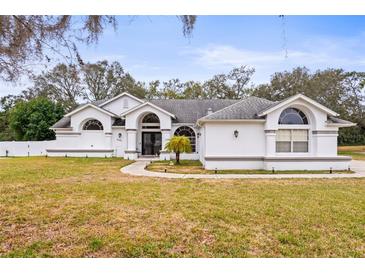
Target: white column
[
  {"x": 131, "y": 152},
  {"x": 166, "y": 135},
  {"x": 109, "y": 140},
  {"x": 270, "y": 141},
  {"x": 313, "y": 143},
  {"x": 324, "y": 143}
]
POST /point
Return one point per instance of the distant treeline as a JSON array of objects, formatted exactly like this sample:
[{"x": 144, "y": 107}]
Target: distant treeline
[{"x": 62, "y": 88}]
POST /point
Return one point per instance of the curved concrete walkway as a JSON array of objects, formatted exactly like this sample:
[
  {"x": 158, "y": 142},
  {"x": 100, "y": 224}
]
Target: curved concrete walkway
[{"x": 138, "y": 169}]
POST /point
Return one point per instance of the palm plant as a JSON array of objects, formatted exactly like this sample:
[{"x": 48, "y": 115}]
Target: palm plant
[{"x": 178, "y": 144}]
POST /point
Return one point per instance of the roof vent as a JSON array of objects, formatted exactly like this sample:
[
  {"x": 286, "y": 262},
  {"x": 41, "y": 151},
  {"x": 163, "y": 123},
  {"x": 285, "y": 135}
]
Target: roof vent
[{"x": 209, "y": 111}]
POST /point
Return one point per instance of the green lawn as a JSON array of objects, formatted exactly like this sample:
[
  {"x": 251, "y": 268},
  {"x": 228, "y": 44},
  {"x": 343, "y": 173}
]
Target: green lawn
[
  {"x": 356, "y": 152},
  {"x": 64, "y": 207},
  {"x": 195, "y": 167}
]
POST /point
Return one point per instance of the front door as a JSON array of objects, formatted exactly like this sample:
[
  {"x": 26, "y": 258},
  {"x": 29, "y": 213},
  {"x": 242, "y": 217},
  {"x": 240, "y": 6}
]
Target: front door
[{"x": 151, "y": 143}]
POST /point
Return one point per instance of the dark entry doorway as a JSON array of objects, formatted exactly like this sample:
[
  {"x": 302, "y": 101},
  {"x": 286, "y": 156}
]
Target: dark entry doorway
[{"x": 151, "y": 143}]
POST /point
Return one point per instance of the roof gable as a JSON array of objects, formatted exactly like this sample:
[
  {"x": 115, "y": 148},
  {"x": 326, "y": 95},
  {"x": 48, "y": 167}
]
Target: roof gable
[
  {"x": 91, "y": 106},
  {"x": 291, "y": 99},
  {"x": 64, "y": 122},
  {"x": 190, "y": 110},
  {"x": 337, "y": 122},
  {"x": 151, "y": 105},
  {"x": 119, "y": 96}
]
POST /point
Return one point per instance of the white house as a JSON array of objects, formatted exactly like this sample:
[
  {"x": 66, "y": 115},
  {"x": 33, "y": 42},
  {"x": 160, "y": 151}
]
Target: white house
[{"x": 252, "y": 133}]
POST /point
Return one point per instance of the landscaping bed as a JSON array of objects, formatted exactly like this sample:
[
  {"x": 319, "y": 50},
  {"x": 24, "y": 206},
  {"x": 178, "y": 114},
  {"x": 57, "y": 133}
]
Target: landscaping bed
[{"x": 195, "y": 167}]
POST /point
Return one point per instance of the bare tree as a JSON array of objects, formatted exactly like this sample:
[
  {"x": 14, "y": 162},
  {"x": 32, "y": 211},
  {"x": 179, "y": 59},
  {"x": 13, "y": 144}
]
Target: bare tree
[
  {"x": 25, "y": 39},
  {"x": 62, "y": 84},
  {"x": 104, "y": 81}
]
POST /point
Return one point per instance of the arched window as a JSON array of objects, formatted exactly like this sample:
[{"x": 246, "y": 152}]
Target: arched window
[
  {"x": 151, "y": 118},
  {"x": 93, "y": 125},
  {"x": 188, "y": 132},
  {"x": 292, "y": 116},
  {"x": 289, "y": 139},
  {"x": 150, "y": 121}
]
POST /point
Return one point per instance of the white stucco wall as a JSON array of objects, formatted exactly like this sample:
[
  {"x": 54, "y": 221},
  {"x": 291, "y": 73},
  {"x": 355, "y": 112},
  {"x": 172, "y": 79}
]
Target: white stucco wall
[
  {"x": 202, "y": 141},
  {"x": 222, "y": 150},
  {"x": 217, "y": 147},
  {"x": 255, "y": 146},
  {"x": 316, "y": 116},
  {"x": 133, "y": 128},
  {"x": 325, "y": 144},
  {"x": 322, "y": 138},
  {"x": 133, "y": 119},
  {"x": 79, "y": 142},
  {"x": 232, "y": 164},
  {"x": 122, "y": 104},
  {"x": 83, "y": 144},
  {"x": 29, "y": 148},
  {"x": 188, "y": 156},
  {"x": 220, "y": 140},
  {"x": 316, "y": 163},
  {"x": 119, "y": 144},
  {"x": 79, "y": 118}
]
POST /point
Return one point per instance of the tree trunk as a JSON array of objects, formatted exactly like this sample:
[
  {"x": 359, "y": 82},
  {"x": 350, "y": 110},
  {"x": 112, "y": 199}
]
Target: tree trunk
[{"x": 178, "y": 158}]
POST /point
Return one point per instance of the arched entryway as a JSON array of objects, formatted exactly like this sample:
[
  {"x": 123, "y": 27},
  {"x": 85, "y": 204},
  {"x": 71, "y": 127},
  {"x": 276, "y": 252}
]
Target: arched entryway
[{"x": 151, "y": 135}]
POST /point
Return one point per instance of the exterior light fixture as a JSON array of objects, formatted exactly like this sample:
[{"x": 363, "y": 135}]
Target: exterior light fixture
[
  {"x": 119, "y": 135},
  {"x": 235, "y": 133}
]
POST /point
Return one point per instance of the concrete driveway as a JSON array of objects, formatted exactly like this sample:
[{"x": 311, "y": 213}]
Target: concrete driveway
[{"x": 138, "y": 169}]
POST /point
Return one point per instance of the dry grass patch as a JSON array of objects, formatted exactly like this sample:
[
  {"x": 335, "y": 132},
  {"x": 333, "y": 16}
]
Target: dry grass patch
[
  {"x": 352, "y": 148},
  {"x": 58, "y": 207},
  {"x": 356, "y": 152}
]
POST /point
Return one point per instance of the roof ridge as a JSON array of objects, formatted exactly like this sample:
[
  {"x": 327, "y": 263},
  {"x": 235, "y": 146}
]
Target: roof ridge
[
  {"x": 184, "y": 99},
  {"x": 223, "y": 108},
  {"x": 251, "y": 103}
]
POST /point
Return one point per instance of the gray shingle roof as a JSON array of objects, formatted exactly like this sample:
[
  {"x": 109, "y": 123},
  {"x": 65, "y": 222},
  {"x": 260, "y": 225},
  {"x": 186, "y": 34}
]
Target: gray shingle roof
[
  {"x": 65, "y": 122},
  {"x": 189, "y": 110},
  {"x": 119, "y": 122},
  {"x": 95, "y": 103},
  {"x": 247, "y": 108},
  {"x": 335, "y": 120}
]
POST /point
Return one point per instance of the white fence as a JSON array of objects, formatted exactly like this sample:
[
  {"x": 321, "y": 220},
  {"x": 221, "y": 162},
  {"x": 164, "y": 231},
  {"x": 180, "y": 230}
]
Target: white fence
[{"x": 29, "y": 148}]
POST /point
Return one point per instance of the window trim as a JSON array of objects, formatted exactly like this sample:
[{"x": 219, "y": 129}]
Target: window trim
[
  {"x": 193, "y": 146},
  {"x": 301, "y": 113},
  {"x": 295, "y": 127},
  {"x": 148, "y": 122},
  {"x": 93, "y": 130}
]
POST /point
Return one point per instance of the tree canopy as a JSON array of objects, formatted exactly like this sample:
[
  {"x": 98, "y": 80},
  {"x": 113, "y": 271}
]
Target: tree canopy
[
  {"x": 31, "y": 120},
  {"x": 104, "y": 81},
  {"x": 339, "y": 90},
  {"x": 62, "y": 84},
  {"x": 35, "y": 38},
  {"x": 68, "y": 85},
  {"x": 178, "y": 145}
]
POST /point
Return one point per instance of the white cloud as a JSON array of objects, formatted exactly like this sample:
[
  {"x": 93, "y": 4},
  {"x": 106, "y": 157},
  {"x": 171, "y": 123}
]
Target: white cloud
[
  {"x": 318, "y": 52},
  {"x": 144, "y": 65},
  {"x": 225, "y": 55},
  {"x": 214, "y": 56},
  {"x": 96, "y": 58}
]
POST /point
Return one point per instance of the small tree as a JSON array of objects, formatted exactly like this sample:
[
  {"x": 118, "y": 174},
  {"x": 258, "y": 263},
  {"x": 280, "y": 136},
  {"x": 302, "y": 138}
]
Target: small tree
[{"x": 178, "y": 144}]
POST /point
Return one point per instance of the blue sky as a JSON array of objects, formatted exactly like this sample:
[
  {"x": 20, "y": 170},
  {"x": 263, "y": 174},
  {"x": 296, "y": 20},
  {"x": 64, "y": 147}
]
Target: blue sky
[{"x": 153, "y": 47}]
